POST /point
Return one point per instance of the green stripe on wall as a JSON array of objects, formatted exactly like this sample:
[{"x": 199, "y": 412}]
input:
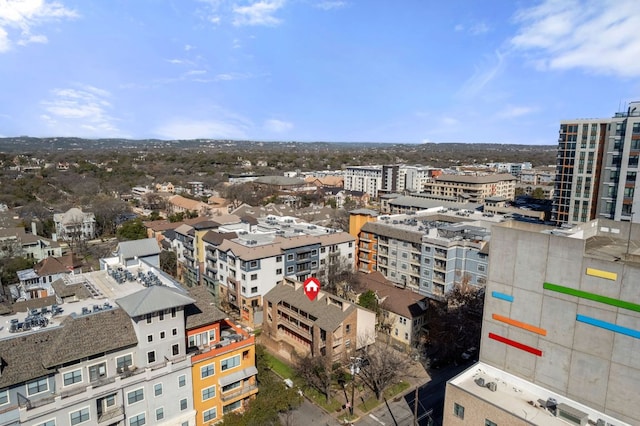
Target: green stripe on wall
[{"x": 591, "y": 296}]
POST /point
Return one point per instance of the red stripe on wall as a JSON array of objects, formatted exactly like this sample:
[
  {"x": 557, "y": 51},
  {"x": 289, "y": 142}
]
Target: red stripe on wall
[{"x": 515, "y": 344}]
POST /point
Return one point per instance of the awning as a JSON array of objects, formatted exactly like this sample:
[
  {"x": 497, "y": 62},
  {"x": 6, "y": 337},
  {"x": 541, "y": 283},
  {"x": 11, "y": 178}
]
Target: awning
[{"x": 238, "y": 375}]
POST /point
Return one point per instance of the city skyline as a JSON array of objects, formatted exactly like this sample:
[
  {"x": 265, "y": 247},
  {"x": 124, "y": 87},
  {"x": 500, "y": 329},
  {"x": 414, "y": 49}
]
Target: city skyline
[{"x": 336, "y": 71}]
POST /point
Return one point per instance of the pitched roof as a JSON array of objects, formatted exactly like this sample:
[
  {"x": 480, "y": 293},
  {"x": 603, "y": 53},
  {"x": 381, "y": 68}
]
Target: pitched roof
[
  {"x": 203, "y": 311},
  {"x": 57, "y": 265},
  {"x": 401, "y": 301},
  {"x": 217, "y": 238},
  {"x": 186, "y": 203},
  {"x": 87, "y": 335},
  {"x": 391, "y": 231},
  {"x": 153, "y": 299},
  {"x": 329, "y": 316},
  {"x": 140, "y": 248},
  {"x": 67, "y": 290}
]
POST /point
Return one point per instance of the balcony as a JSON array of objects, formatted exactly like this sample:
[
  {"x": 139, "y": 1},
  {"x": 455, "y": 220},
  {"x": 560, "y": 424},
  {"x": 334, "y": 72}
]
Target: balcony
[
  {"x": 111, "y": 414},
  {"x": 242, "y": 392}
]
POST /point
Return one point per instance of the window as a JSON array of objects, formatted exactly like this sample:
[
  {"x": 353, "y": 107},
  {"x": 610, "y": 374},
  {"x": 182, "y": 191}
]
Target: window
[
  {"x": 254, "y": 290},
  {"x": 79, "y": 416},
  {"x": 488, "y": 422},
  {"x": 243, "y": 276},
  {"x": 148, "y": 318},
  {"x": 97, "y": 371},
  {"x": 175, "y": 349},
  {"x": 151, "y": 357},
  {"x": 162, "y": 335},
  {"x": 278, "y": 258},
  {"x": 150, "y": 338},
  {"x": 138, "y": 420},
  {"x": 406, "y": 336},
  {"x": 135, "y": 396},
  {"x": 124, "y": 362},
  {"x": 208, "y": 393},
  {"x": 254, "y": 277},
  {"x": 209, "y": 415},
  {"x": 157, "y": 389},
  {"x": 231, "y": 407},
  {"x": 245, "y": 354},
  {"x": 4, "y": 397},
  {"x": 279, "y": 271},
  {"x": 481, "y": 268},
  {"x": 173, "y": 312},
  {"x": 72, "y": 377},
  {"x": 290, "y": 257},
  {"x": 229, "y": 363},
  {"x": 159, "y": 413},
  {"x": 161, "y": 316},
  {"x": 289, "y": 269},
  {"x": 231, "y": 386},
  {"x": 48, "y": 422},
  {"x": 174, "y": 332},
  {"x": 347, "y": 328},
  {"x": 182, "y": 381},
  {"x": 458, "y": 410},
  {"x": 183, "y": 404},
  {"x": 37, "y": 386},
  {"x": 207, "y": 370}
]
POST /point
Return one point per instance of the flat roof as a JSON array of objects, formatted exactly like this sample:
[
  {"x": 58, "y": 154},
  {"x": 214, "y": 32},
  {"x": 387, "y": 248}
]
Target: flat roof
[{"x": 520, "y": 397}]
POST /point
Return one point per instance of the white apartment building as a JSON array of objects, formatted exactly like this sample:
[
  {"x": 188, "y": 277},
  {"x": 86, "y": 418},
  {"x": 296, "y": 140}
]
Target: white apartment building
[{"x": 363, "y": 179}]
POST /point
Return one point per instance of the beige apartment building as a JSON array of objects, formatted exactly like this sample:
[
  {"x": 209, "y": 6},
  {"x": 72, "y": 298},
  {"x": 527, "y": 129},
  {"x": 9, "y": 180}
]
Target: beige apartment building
[{"x": 473, "y": 189}]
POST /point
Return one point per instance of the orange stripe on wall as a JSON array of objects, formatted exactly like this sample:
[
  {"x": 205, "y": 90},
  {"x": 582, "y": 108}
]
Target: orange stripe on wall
[{"x": 520, "y": 324}]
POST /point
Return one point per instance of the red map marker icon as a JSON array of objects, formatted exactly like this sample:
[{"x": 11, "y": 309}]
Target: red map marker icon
[{"x": 311, "y": 287}]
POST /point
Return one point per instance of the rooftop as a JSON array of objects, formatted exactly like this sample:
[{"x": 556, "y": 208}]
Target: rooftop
[{"x": 521, "y": 398}]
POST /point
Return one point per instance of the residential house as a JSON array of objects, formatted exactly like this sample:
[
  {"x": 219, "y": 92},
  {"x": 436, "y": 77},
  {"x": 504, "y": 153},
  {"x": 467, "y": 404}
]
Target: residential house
[
  {"x": 36, "y": 282},
  {"x": 74, "y": 225}
]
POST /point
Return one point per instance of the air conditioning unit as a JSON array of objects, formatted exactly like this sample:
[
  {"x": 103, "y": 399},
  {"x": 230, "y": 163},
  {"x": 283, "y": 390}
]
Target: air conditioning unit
[{"x": 492, "y": 386}]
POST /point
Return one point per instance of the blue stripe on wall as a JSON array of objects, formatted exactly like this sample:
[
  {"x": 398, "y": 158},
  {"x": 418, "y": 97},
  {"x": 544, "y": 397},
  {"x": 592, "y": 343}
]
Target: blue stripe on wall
[
  {"x": 608, "y": 326},
  {"x": 502, "y": 296}
]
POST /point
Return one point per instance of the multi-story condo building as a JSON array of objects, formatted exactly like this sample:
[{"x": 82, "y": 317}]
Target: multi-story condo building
[
  {"x": 388, "y": 178},
  {"x": 428, "y": 251},
  {"x": 560, "y": 329},
  {"x": 597, "y": 168},
  {"x": 327, "y": 325},
  {"x": 472, "y": 188},
  {"x": 122, "y": 346},
  {"x": 366, "y": 179},
  {"x": 242, "y": 269}
]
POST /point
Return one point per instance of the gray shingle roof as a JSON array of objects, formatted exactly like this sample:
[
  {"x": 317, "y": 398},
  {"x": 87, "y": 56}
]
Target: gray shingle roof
[
  {"x": 140, "y": 248},
  {"x": 203, "y": 311},
  {"x": 153, "y": 299}
]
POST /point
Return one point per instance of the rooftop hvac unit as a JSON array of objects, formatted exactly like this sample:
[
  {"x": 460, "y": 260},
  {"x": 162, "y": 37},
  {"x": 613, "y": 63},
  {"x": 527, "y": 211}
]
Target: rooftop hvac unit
[{"x": 492, "y": 386}]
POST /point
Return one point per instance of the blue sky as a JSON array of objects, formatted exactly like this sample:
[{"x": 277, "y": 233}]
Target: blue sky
[{"x": 407, "y": 71}]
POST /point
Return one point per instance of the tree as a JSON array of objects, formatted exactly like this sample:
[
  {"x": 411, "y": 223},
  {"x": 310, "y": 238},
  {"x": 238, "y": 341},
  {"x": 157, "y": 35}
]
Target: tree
[
  {"x": 132, "y": 230},
  {"x": 339, "y": 272},
  {"x": 384, "y": 366},
  {"x": 538, "y": 193},
  {"x": 107, "y": 210},
  {"x": 369, "y": 300},
  {"x": 9, "y": 266},
  {"x": 318, "y": 372},
  {"x": 456, "y": 323},
  {"x": 169, "y": 262}
]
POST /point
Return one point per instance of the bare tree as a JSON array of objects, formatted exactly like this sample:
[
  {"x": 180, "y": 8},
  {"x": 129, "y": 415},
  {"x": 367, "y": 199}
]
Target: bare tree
[
  {"x": 317, "y": 372},
  {"x": 339, "y": 272},
  {"x": 382, "y": 367}
]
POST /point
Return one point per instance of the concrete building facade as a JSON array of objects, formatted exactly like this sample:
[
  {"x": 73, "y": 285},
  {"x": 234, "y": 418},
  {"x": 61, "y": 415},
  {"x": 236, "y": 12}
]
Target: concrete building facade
[{"x": 560, "y": 324}]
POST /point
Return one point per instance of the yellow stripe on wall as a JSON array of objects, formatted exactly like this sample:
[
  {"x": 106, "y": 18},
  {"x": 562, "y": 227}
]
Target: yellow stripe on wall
[
  {"x": 520, "y": 324},
  {"x": 602, "y": 274}
]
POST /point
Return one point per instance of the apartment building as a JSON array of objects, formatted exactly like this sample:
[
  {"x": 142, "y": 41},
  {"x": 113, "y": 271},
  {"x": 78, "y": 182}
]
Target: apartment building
[
  {"x": 327, "y": 325},
  {"x": 428, "y": 252},
  {"x": 245, "y": 268},
  {"x": 388, "y": 178},
  {"x": 597, "y": 168},
  {"x": 224, "y": 374},
  {"x": 560, "y": 329},
  {"x": 16, "y": 242},
  {"x": 117, "y": 347},
  {"x": 472, "y": 188},
  {"x": 365, "y": 179}
]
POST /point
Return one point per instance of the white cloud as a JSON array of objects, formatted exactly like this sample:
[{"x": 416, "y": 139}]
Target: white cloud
[
  {"x": 258, "y": 13},
  {"x": 596, "y": 35},
  {"x": 515, "y": 111},
  {"x": 479, "y": 28},
  {"x": 232, "y": 76},
  {"x": 188, "y": 47},
  {"x": 277, "y": 126},
  {"x": 196, "y": 129},
  {"x": 19, "y": 17},
  {"x": 85, "y": 107},
  {"x": 483, "y": 75},
  {"x": 330, "y": 5},
  {"x": 458, "y": 27}
]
